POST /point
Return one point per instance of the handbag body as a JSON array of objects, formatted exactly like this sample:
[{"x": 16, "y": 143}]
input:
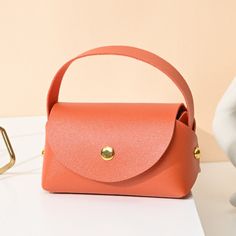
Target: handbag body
[{"x": 138, "y": 149}]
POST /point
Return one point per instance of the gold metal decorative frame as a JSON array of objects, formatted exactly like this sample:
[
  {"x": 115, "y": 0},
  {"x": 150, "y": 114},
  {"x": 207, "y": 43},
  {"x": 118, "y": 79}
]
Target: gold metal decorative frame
[{"x": 10, "y": 151}]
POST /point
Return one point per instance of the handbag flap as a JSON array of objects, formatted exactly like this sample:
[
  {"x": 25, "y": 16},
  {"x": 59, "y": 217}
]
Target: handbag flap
[{"x": 138, "y": 133}]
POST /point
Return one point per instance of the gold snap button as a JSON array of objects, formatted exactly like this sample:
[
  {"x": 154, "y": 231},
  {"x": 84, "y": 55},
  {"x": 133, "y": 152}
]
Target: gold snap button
[
  {"x": 107, "y": 153},
  {"x": 197, "y": 153}
]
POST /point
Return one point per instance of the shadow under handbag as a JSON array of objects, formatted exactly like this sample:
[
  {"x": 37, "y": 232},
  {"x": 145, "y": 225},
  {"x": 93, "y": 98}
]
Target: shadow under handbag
[{"x": 138, "y": 149}]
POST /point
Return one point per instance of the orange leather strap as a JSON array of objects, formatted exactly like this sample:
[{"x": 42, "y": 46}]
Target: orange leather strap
[{"x": 135, "y": 53}]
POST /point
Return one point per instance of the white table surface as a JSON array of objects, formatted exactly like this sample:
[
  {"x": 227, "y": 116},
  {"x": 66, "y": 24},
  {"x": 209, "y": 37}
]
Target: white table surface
[{"x": 26, "y": 209}]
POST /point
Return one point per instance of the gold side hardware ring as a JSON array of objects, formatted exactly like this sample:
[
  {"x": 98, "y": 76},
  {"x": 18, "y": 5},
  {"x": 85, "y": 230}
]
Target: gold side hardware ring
[{"x": 197, "y": 153}]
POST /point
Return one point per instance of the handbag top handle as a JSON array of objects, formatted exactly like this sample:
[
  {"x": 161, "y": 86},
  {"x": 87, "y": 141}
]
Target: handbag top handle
[{"x": 135, "y": 53}]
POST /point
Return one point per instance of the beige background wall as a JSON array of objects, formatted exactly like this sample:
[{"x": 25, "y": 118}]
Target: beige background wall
[{"x": 197, "y": 36}]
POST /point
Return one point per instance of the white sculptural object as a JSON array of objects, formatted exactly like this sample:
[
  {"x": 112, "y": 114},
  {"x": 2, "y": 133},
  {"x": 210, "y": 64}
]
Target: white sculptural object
[{"x": 224, "y": 126}]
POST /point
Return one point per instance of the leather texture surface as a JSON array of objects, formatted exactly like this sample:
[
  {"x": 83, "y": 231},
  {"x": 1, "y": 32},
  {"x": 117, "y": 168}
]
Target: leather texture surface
[
  {"x": 138, "y": 133},
  {"x": 153, "y": 143},
  {"x": 135, "y": 53},
  {"x": 172, "y": 176}
]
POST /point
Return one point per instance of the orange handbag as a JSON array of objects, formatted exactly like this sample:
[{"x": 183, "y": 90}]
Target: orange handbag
[{"x": 139, "y": 149}]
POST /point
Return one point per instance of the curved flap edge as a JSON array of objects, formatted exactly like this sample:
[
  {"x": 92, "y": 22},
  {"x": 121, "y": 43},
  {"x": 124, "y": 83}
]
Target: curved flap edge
[{"x": 138, "y": 133}]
